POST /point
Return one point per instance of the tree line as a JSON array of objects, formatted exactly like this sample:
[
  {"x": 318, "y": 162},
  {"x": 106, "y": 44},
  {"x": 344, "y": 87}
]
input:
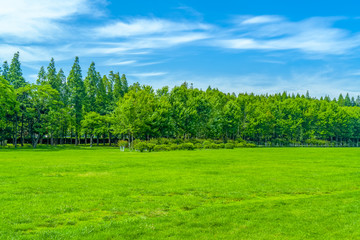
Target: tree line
[{"x": 73, "y": 109}]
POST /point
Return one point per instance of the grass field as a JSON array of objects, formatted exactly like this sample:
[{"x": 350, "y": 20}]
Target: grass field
[{"x": 102, "y": 193}]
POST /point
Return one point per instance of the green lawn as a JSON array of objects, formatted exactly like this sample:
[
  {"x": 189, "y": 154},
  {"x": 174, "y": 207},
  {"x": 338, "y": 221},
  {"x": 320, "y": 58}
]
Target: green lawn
[{"x": 102, "y": 193}]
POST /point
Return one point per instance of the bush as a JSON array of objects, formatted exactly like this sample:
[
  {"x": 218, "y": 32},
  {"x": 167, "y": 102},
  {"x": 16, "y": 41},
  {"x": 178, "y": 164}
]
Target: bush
[
  {"x": 158, "y": 148},
  {"x": 317, "y": 142},
  {"x": 153, "y": 141},
  {"x": 141, "y": 146},
  {"x": 250, "y": 145},
  {"x": 177, "y": 141},
  {"x": 150, "y": 146},
  {"x": 162, "y": 141},
  {"x": 245, "y": 145},
  {"x": 173, "y": 146},
  {"x": 207, "y": 144},
  {"x": 122, "y": 143},
  {"x": 229, "y": 145},
  {"x": 214, "y": 146},
  {"x": 187, "y": 146},
  {"x": 198, "y": 145},
  {"x": 221, "y": 145}
]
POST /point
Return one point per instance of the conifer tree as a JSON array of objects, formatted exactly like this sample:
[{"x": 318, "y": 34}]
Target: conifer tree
[
  {"x": 5, "y": 71},
  {"x": 118, "y": 89},
  {"x": 15, "y": 73},
  {"x": 101, "y": 96},
  {"x": 341, "y": 100},
  {"x": 51, "y": 76},
  {"x": 347, "y": 101},
  {"x": 77, "y": 94},
  {"x": 124, "y": 84},
  {"x": 41, "y": 76},
  {"x": 91, "y": 83},
  {"x": 64, "y": 88}
]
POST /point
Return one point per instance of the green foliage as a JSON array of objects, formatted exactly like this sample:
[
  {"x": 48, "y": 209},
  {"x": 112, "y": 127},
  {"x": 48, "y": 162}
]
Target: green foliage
[
  {"x": 184, "y": 114},
  {"x": 229, "y": 145},
  {"x": 187, "y": 146},
  {"x": 77, "y": 94},
  {"x": 91, "y": 84},
  {"x": 140, "y": 146},
  {"x": 198, "y": 145},
  {"x": 150, "y": 146},
  {"x": 15, "y": 75}
]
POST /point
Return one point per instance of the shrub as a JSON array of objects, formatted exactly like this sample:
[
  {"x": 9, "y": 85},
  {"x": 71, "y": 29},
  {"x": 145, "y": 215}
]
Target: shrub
[
  {"x": 214, "y": 146},
  {"x": 122, "y": 143},
  {"x": 245, "y": 144},
  {"x": 153, "y": 141},
  {"x": 207, "y": 144},
  {"x": 187, "y": 146},
  {"x": 158, "y": 148},
  {"x": 221, "y": 145},
  {"x": 165, "y": 141},
  {"x": 250, "y": 145},
  {"x": 198, "y": 145},
  {"x": 178, "y": 141},
  {"x": 141, "y": 146},
  {"x": 150, "y": 146},
  {"x": 229, "y": 145},
  {"x": 173, "y": 146}
]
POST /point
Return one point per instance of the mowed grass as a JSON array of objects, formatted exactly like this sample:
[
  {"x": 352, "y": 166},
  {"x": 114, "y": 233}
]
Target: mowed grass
[{"x": 102, "y": 193}]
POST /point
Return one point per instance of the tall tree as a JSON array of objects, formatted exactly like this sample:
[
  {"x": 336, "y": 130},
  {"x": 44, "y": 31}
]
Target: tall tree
[
  {"x": 15, "y": 73},
  {"x": 5, "y": 71},
  {"x": 51, "y": 77},
  {"x": 91, "y": 83},
  {"x": 118, "y": 88},
  {"x": 41, "y": 76},
  {"x": 77, "y": 94},
  {"x": 64, "y": 88},
  {"x": 124, "y": 84}
]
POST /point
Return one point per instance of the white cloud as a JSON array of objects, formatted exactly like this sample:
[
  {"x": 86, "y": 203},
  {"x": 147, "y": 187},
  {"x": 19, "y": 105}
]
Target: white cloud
[
  {"x": 37, "y": 20},
  {"x": 129, "y": 62},
  {"x": 143, "y": 26},
  {"x": 314, "y": 35},
  {"x": 262, "y": 19},
  {"x": 149, "y": 74}
]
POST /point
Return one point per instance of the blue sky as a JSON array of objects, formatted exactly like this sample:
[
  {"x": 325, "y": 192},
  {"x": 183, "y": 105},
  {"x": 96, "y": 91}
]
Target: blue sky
[{"x": 237, "y": 46}]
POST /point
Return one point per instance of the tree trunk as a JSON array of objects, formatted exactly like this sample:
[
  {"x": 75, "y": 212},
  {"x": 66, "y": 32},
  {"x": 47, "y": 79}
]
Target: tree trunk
[
  {"x": 109, "y": 138},
  {"x": 76, "y": 139},
  {"x": 22, "y": 131},
  {"x": 52, "y": 139},
  {"x": 91, "y": 140},
  {"x": 85, "y": 139},
  {"x": 15, "y": 132},
  {"x": 97, "y": 140}
]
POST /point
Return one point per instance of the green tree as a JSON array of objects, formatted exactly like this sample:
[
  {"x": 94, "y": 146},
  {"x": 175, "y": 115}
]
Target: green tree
[
  {"x": 77, "y": 94},
  {"x": 92, "y": 124},
  {"x": 91, "y": 83},
  {"x": 51, "y": 76},
  {"x": 5, "y": 71},
  {"x": 15, "y": 73},
  {"x": 41, "y": 76},
  {"x": 8, "y": 109},
  {"x": 124, "y": 84}
]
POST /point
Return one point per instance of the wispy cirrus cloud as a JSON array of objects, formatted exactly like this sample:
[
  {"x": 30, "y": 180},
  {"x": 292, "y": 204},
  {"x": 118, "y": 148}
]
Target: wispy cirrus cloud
[
  {"x": 312, "y": 36},
  {"x": 147, "y": 26},
  {"x": 260, "y": 19},
  {"x": 39, "y": 20},
  {"x": 147, "y": 74}
]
